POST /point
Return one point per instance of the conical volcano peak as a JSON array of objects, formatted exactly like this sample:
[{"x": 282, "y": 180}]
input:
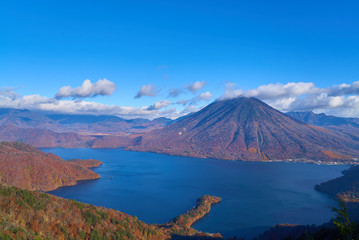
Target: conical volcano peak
[
  {"x": 239, "y": 110},
  {"x": 248, "y": 129}
]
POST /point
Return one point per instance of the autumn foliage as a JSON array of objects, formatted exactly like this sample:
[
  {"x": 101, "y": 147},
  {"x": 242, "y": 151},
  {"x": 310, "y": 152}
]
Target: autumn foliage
[
  {"x": 27, "y": 167},
  {"x": 28, "y": 214}
]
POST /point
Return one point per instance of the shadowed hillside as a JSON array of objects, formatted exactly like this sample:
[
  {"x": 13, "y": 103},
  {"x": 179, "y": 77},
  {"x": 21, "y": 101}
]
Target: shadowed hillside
[{"x": 345, "y": 187}]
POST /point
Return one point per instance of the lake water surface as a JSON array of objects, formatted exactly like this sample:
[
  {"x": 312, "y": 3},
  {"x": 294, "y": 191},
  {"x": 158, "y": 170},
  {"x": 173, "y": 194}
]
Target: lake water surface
[{"x": 156, "y": 188}]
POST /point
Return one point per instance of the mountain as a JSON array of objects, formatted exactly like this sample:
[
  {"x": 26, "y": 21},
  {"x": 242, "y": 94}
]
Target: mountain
[
  {"x": 247, "y": 129},
  {"x": 346, "y": 125},
  {"x": 81, "y": 124},
  {"x": 27, "y": 119},
  {"x": 47, "y": 138},
  {"x": 70, "y": 131},
  {"x": 89, "y": 124},
  {"x": 43, "y": 137},
  {"x": 71, "y": 119},
  {"x": 322, "y": 119},
  {"x": 27, "y": 167}
]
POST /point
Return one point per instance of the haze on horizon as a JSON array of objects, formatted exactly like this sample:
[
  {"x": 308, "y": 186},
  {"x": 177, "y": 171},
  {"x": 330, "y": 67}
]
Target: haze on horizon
[{"x": 169, "y": 58}]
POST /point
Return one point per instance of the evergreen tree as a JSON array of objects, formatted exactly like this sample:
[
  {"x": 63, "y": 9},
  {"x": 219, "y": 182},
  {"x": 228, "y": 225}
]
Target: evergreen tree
[{"x": 346, "y": 226}]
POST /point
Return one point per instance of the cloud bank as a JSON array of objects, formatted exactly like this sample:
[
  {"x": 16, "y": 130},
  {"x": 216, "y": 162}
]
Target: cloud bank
[
  {"x": 87, "y": 89},
  {"x": 339, "y": 100},
  {"x": 54, "y": 105}
]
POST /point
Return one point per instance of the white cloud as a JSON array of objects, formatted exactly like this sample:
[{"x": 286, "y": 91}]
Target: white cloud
[
  {"x": 231, "y": 91},
  {"x": 271, "y": 91},
  {"x": 183, "y": 102},
  {"x": 147, "y": 90},
  {"x": 8, "y": 92},
  {"x": 339, "y": 100},
  {"x": 194, "y": 87},
  {"x": 206, "y": 96},
  {"x": 53, "y": 105},
  {"x": 344, "y": 89},
  {"x": 87, "y": 89},
  {"x": 159, "y": 105},
  {"x": 174, "y": 92},
  {"x": 278, "y": 90}
]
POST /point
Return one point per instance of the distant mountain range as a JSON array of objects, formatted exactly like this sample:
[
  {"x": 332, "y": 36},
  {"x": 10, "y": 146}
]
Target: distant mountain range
[
  {"x": 323, "y": 120},
  {"x": 235, "y": 129},
  {"x": 69, "y": 131},
  {"x": 247, "y": 129},
  {"x": 43, "y": 138},
  {"x": 346, "y": 125},
  {"x": 83, "y": 124}
]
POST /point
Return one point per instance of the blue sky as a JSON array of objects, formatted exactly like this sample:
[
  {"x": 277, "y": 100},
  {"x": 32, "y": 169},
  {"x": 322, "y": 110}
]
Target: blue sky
[{"x": 299, "y": 51}]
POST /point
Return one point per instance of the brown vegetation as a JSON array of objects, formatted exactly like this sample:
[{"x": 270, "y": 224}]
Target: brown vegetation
[
  {"x": 27, "y": 167},
  {"x": 183, "y": 222},
  {"x": 35, "y": 215}
]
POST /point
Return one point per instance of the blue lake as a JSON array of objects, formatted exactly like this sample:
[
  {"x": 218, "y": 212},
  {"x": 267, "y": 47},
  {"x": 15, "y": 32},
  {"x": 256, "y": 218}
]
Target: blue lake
[{"x": 156, "y": 188}]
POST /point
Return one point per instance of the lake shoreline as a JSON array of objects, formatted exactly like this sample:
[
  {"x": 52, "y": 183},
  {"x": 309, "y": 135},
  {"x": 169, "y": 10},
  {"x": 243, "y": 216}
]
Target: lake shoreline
[{"x": 169, "y": 185}]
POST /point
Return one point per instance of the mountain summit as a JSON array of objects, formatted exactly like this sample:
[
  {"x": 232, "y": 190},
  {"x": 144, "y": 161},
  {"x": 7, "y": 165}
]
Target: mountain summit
[{"x": 247, "y": 129}]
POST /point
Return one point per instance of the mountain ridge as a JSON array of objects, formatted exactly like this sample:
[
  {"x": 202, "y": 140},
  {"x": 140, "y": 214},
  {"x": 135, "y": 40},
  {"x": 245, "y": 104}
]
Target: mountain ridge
[
  {"x": 83, "y": 124},
  {"x": 349, "y": 126}
]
